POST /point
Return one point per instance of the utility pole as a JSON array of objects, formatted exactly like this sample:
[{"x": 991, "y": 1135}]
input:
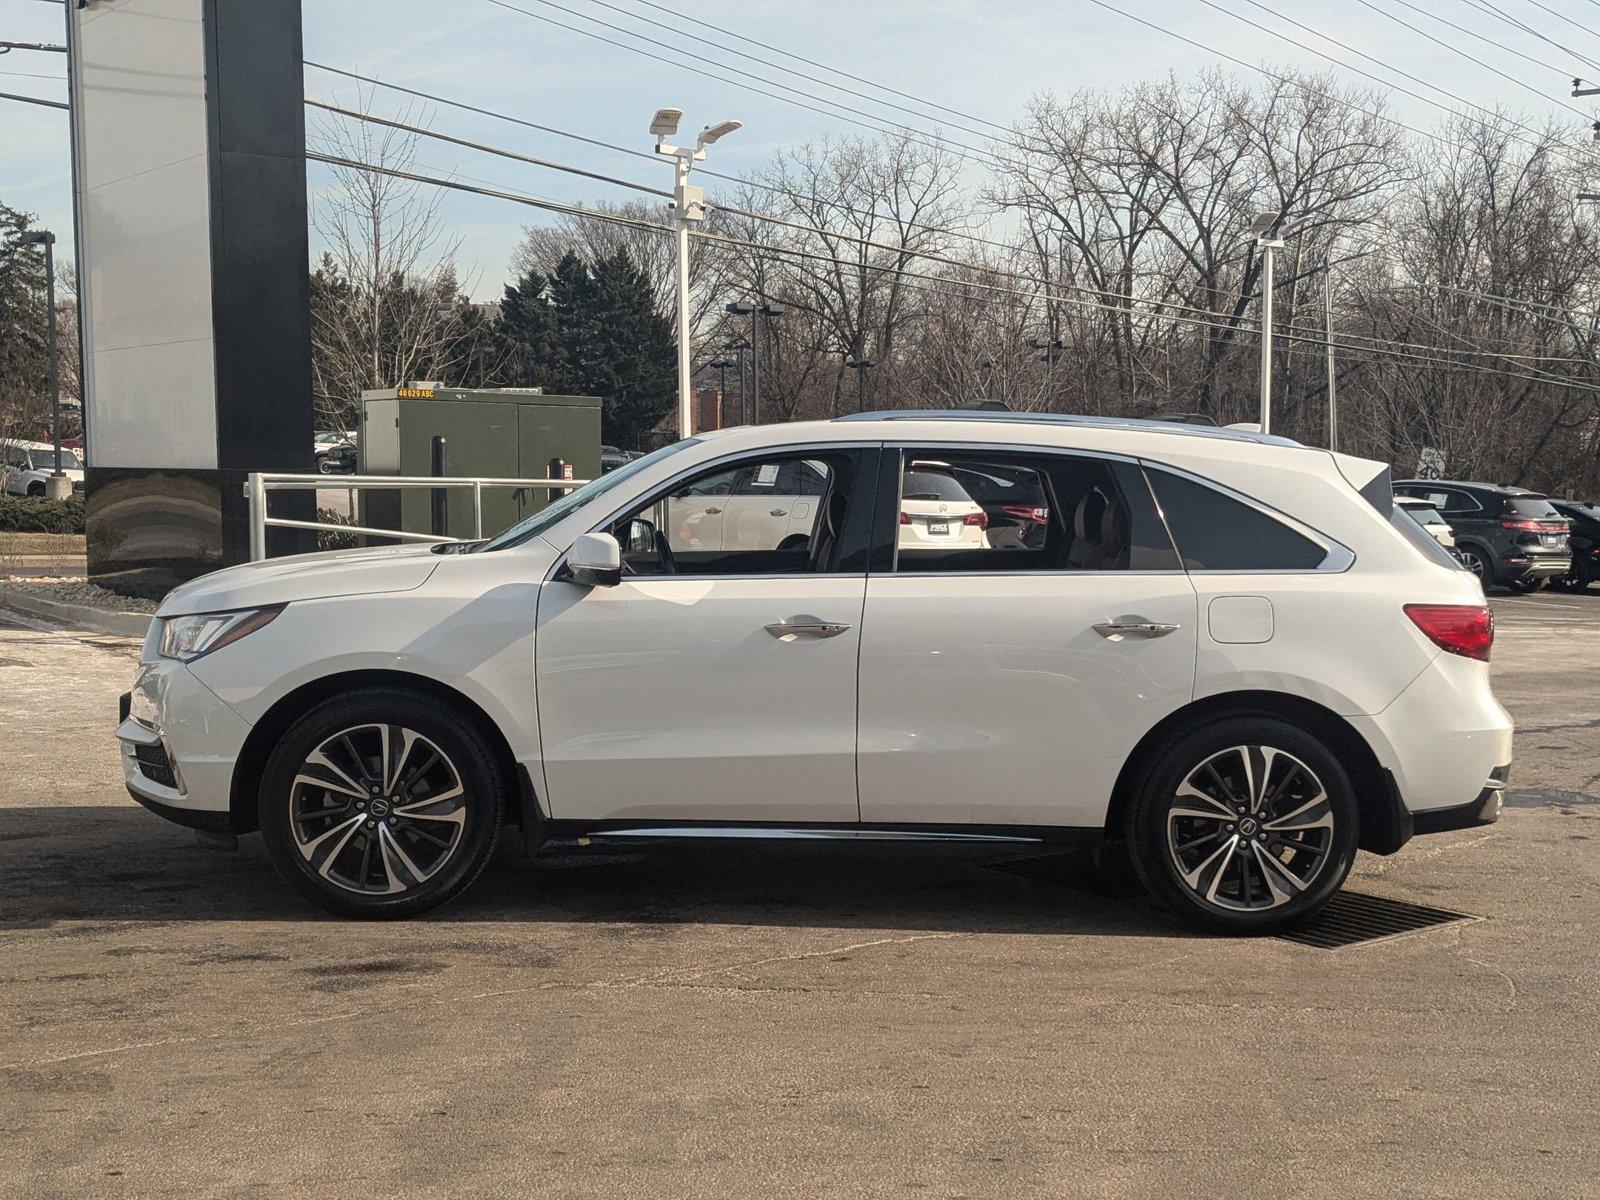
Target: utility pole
[
  {"x": 688, "y": 209},
  {"x": 1052, "y": 355},
  {"x": 57, "y": 486},
  {"x": 1327, "y": 327},
  {"x": 755, "y": 311}
]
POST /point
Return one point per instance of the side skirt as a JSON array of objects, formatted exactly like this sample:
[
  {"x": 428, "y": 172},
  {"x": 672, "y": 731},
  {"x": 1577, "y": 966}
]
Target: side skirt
[{"x": 622, "y": 830}]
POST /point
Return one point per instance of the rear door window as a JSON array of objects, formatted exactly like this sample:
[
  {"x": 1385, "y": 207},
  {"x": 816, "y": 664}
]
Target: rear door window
[
  {"x": 977, "y": 512},
  {"x": 1216, "y": 532}
]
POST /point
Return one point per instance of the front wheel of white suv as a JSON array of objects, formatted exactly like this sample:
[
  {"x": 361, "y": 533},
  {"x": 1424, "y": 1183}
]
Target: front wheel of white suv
[
  {"x": 381, "y": 803},
  {"x": 1246, "y": 825}
]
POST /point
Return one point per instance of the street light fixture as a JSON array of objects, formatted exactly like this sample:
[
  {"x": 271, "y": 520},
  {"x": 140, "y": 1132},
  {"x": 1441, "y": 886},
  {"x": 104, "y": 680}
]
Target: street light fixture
[
  {"x": 755, "y": 311},
  {"x": 56, "y": 486},
  {"x": 688, "y": 208}
]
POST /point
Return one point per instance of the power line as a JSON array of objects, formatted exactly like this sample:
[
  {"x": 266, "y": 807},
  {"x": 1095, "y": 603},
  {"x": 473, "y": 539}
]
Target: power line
[
  {"x": 833, "y": 70},
  {"x": 1283, "y": 79},
  {"x": 1238, "y": 325},
  {"x": 1099, "y": 296},
  {"x": 1497, "y": 118},
  {"x": 773, "y": 189},
  {"x": 805, "y": 75},
  {"x": 1538, "y": 62},
  {"x": 373, "y": 119},
  {"x": 1469, "y": 57},
  {"x": 962, "y": 150},
  {"x": 1493, "y": 10}
]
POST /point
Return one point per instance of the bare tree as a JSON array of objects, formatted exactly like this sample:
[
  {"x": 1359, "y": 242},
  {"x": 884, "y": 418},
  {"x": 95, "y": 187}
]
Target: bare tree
[{"x": 386, "y": 303}]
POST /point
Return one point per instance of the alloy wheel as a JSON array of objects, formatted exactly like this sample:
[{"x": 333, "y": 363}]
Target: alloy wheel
[
  {"x": 1250, "y": 828},
  {"x": 1474, "y": 563},
  {"x": 377, "y": 809}
]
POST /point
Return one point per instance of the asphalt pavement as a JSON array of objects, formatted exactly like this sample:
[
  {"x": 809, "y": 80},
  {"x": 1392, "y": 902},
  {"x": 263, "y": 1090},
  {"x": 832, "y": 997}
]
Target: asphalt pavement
[{"x": 783, "y": 1020}]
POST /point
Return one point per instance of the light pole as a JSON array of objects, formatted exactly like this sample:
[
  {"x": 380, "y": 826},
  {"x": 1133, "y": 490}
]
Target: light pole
[
  {"x": 755, "y": 312},
  {"x": 1051, "y": 355},
  {"x": 860, "y": 366},
  {"x": 57, "y": 486},
  {"x": 689, "y": 208},
  {"x": 738, "y": 348},
  {"x": 1269, "y": 232}
]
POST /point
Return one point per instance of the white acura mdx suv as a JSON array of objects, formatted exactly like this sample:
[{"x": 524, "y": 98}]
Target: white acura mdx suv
[{"x": 1227, "y": 651}]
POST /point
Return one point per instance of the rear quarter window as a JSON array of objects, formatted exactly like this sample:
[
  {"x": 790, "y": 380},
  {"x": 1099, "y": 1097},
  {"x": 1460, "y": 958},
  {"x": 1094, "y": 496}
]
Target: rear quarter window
[{"x": 1215, "y": 532}]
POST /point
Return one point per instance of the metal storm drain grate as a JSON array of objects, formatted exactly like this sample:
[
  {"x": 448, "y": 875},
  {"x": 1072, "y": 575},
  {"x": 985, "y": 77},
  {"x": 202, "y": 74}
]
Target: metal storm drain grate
[{"x": 1352, "y": 919}]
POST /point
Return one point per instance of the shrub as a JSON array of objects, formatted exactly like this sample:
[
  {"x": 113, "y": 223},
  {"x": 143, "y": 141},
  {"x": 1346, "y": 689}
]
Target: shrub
[
  {"x": 327, "y": 539},
  {"x": 33, "y": 514}
]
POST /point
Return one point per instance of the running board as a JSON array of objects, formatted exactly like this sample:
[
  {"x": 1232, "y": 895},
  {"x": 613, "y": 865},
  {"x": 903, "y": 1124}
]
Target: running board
[{"x": 801, "y": 834}]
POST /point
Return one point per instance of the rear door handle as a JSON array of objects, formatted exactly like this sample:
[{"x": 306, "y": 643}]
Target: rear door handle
[
  {"x": 806, "y": 626},
  {"x": 1133, "y": 627},
  {"x": 711, "y": 512},
  {"x": 779, "y": 512}
]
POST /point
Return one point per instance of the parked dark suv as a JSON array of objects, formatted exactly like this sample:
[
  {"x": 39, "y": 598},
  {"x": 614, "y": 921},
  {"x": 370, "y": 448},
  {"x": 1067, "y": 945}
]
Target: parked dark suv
[
  {"x": 1585, "y": 519},
  {"x": 1504, "y": 535}
]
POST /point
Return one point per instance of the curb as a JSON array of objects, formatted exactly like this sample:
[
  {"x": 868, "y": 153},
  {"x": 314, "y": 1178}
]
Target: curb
[{"x": 78, "y": 616}]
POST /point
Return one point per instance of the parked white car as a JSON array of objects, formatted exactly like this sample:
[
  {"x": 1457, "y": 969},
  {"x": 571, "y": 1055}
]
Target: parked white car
[
  {"x": 1225, "y": 650},
  {"x": 24, "y": 467},
  {"x": 936, "y": 512},
  {"x": 1432, "y": 521}
]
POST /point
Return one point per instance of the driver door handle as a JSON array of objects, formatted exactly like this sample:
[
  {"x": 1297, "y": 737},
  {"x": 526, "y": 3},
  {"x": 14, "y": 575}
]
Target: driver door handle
[
  {"x": 711, "y": 512},
  {"x": 806, "y": 626},
  {"x": 1133, "y": 627},
  {"x": 779, "y": 512}
]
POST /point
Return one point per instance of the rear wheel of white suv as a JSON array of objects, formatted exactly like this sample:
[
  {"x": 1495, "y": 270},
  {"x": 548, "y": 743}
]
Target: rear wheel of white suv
[
  {"x": 381, "y": 803},
  {"x": 1246, "y": 825}
]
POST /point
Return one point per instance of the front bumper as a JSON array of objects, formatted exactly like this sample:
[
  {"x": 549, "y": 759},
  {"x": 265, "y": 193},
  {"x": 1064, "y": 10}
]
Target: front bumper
[{"x": 179, "y": 743}]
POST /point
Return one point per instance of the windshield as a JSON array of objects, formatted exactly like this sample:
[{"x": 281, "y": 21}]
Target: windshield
[{"x": 572, "y": 501}]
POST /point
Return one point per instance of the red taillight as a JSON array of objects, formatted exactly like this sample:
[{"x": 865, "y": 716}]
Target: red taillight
[
  {"x": 905, "y": 518},
  {"x": 1527, "y": 525},
  {"x": 1464, "y": 629},
  {"x": 1026, "y": 512},
  {"x": 981, "y": 520}
]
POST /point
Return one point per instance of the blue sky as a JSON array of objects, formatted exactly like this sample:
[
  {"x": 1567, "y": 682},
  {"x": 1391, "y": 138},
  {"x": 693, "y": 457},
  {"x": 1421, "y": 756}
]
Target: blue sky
[{"x": 984, "y": 58}]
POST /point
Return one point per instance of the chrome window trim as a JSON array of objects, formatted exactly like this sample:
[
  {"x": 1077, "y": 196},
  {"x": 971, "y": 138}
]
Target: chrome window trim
[{"x": 1337, "y": 557}]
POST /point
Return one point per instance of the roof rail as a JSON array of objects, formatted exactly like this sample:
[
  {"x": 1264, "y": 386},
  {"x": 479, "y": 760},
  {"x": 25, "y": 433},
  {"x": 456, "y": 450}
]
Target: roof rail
[{"x": 1082, "y": 422}]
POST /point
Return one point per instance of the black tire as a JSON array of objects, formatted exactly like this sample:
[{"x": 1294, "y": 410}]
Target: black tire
[
  {"x": 36, "y": 490},
  {"x": 429, "y": 849},
  {"x": 1242, "y": 900},
  {"x": 1480, "y": 562}
]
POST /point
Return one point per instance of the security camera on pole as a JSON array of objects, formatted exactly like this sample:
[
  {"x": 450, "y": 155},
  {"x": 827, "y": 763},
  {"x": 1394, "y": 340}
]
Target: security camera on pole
[{"x": 689, "y": 207}]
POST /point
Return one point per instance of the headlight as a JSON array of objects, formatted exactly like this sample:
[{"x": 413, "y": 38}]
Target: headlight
[{"x": 187, "y": 638}]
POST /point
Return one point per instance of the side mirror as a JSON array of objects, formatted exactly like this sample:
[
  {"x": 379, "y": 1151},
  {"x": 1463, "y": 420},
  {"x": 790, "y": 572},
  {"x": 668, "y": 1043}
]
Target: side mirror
[{"x": 595, "y": 560}]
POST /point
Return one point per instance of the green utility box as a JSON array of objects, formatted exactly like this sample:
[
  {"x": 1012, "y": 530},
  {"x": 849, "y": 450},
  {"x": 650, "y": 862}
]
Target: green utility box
[{"x": 499, "y": 433}]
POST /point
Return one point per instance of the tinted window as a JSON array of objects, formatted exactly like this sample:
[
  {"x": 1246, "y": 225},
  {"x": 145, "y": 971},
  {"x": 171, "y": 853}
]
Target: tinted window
[
  {"x": 984, "y": 512},
  {"x": 1536, "y": 507},
  {"x": 1215, "y": 532}
]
